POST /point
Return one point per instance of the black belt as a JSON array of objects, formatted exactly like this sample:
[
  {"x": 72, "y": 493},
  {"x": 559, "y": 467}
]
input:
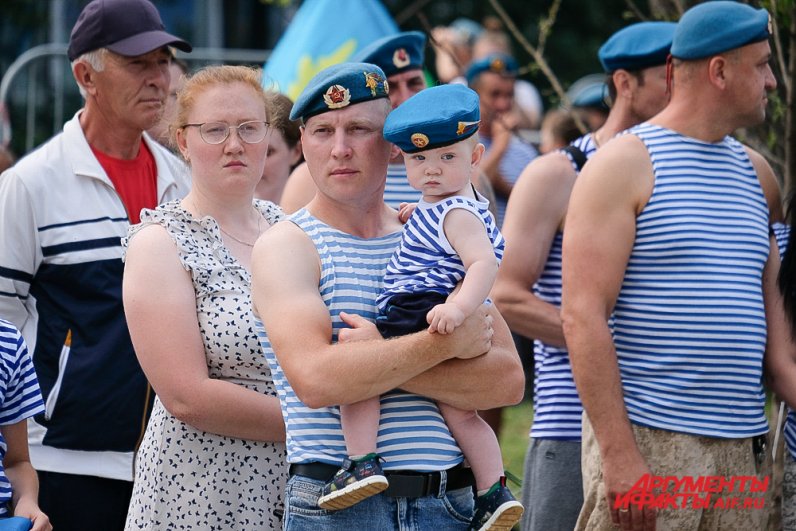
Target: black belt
[{"x": 403, "y": 484}]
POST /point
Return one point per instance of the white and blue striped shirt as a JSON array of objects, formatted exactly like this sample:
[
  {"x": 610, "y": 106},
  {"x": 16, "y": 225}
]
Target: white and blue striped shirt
[
  {"x": 586, "y": 144},
  {"x": 425, "y": 261},
  {"x": 557, "y": 410},
  {"x": 690, "y": 326},
  {"x": 397, "y": 190},
  {"x": 412, "y": 434},
  {"x": 20, "y": 397}
]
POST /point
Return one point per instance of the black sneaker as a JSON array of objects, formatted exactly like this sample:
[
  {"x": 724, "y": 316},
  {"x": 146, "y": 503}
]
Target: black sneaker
[
  {"x": 356, "y": 481},
  {"x": 497, "y": 509}
]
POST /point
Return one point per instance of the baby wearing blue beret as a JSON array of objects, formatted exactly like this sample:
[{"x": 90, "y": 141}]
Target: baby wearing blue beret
[{"x": 440, "y": 274}]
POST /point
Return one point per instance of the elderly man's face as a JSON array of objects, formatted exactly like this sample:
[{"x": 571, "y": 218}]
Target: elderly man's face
[{"x": 132, "y": 91}]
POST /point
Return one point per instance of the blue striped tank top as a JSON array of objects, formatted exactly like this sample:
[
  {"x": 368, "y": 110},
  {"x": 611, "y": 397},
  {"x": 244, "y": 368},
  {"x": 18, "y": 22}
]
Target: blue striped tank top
[
  {"x": 412, "y": 434},
  {"x": 425, "y": 260},
  {"x": 556, "y": 406},
  {"x": 397, "y": 190},
  {"x": 690, "y": 328},
  {"x": 586, "y": 144}
]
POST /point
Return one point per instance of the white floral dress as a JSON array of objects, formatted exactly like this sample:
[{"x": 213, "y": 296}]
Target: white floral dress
[{"x": 186, "y": 478}]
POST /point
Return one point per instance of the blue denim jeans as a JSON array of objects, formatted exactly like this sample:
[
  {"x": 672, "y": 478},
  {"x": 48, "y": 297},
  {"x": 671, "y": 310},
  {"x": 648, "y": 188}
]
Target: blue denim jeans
[{"x": 451, "y": 510}]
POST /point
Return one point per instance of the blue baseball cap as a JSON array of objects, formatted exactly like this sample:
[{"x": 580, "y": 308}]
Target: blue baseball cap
[
  {"x": 395, "y": 53},
  {"x": 715, "y": 27},
  {"x": 499, "y": 63},
  {"x": 339, "y": 86},
  {"x": 637, "y": 46},
  {"x": 435, "y": 117}
]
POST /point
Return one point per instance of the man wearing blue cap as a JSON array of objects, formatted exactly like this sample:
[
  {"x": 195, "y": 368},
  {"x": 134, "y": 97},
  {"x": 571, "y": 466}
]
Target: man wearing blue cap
[
  {"x": 668, "y": 232},
  {"x": 449, "y": 240},
  {"x": 401, "y": 58},
  {"x": 324, "y": 269},
  {"x": 528, "y": 287},
  {"x": 63, "y": 211},
  {"x": 493, "y": 78}
]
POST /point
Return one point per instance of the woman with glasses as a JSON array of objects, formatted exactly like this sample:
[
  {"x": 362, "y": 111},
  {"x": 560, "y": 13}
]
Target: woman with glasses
[{"x": 213, "y": 456}]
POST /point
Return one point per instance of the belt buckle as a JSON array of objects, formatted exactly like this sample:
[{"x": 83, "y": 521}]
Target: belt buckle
[{"x": 411, "y": 485}]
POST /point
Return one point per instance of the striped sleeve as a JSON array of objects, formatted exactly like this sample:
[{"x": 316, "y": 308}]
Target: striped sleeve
[{"x": 21, "y": 397}]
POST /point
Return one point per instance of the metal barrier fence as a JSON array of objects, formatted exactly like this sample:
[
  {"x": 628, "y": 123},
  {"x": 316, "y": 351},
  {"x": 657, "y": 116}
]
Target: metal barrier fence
[{"x": 40, "y": 95}]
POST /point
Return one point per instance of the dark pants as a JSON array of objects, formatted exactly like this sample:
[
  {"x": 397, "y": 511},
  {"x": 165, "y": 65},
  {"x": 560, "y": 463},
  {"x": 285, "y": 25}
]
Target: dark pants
[
  {"x": 81, "y": 503},
  {"x": 406, "y": 313}
]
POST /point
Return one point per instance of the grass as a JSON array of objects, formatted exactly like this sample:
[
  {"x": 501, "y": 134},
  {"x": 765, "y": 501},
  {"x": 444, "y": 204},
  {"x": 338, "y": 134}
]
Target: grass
[{"x": 514, "y": 441}]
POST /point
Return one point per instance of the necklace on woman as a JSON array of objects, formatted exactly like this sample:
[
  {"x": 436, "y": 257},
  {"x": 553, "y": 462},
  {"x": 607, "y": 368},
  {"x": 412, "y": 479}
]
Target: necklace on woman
[{"x": 247, "y": 244}]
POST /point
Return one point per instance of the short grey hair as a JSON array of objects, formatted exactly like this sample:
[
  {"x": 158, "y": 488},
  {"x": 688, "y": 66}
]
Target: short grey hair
[{"x": 95, "y": 59}]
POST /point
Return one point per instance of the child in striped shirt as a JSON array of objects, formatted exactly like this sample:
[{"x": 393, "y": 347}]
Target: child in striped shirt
[
  {"x": 441, "y": 273},
  {"x": 20, "y": 398}
]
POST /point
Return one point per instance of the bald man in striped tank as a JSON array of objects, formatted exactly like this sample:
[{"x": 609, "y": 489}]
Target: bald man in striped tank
[{"x": 668, "y": 229}]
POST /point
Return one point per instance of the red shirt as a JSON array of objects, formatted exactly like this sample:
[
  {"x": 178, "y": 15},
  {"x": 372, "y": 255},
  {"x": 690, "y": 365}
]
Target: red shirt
[{"x": 135, "y": 180}]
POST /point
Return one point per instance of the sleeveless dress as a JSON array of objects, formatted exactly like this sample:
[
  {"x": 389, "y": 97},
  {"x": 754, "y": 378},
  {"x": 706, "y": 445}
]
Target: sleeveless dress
[{"x": 186, "y": 478}]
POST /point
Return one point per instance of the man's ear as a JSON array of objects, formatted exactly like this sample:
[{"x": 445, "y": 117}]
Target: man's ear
[
  {"x": 717, "y": 71},
  {"x": 85, "y": 77},
  {"x": 623, "y": 81},
  {"x": 295, "y": 154}
]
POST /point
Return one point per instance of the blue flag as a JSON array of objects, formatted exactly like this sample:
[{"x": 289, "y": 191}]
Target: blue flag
[{"x": 323, "y": 33}]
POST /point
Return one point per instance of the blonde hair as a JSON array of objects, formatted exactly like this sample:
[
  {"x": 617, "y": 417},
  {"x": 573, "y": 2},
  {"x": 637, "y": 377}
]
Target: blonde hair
[{"x": 209, "y": 77}]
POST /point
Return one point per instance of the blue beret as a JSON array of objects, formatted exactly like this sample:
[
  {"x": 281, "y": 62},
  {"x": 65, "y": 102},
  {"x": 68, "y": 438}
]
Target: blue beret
[
  {"x": 339, "y": 86},
  {"x": 395, "y": 53},
  {"x": 637, "y": 46},
  {"x": 499, "y": 63},
  {"x": 715, "y": 27},
  {"x": 434, "y": 117},
  {"x": 592, "y": 95}
]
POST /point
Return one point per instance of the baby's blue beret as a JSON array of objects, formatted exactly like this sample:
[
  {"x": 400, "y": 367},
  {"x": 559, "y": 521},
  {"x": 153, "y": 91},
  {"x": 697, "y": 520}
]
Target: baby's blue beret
[
  {"x": 499, "y": 63},
  {"x": 395, "y": 53},
  {"x": 637, "y": 46},
  {"x": 715, "y": 27},
  {"x": 339, "y": 86},
  {"x": 434, "y": 117}
]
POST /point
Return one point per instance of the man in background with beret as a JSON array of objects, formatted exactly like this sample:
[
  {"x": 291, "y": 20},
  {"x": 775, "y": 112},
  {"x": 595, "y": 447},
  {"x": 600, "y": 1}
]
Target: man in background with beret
[
  {"x": 668, "y": 232},
  {"x": 63, "y": 210},
  {"x": 324, "y": 269},
  {"x": 493, "y": 78},
  {"x": 528, "y": 287}
]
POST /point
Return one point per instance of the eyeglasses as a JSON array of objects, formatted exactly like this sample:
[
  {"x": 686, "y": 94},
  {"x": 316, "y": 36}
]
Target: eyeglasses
[{"x": 252, "y": 132}]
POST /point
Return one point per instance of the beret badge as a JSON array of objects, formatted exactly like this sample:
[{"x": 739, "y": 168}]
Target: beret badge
[
  {"x": 400, "y": 58},
  {"x": 337, "y": 97},
  {"x": 419, "y": 140},
  {"x": 373, "y": 80},
  {"x": 466, "y": 127}
]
